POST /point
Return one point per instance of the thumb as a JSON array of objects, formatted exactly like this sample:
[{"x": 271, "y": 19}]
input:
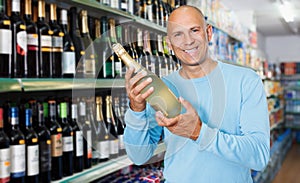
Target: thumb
[{"x": 185, "y": 103}]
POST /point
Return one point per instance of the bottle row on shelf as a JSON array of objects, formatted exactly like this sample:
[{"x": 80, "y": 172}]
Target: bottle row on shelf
[{"x": 46, "y": 141}]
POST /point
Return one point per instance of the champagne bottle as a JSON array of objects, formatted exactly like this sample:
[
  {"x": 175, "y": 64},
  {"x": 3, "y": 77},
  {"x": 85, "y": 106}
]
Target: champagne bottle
[
  {"x": 164, "y": 70},
  {"x": 57, "y": 43},
  {"x": 162, "y": 99},
  {"x": 44, "y": 140},
  {"x": 32, "y": 42},
  {"x": 56, "y": 142},
  {"x": 89, "y": 56},
  {"x": 67, "y": 138},
  {"x": 113, "y": 136},
  {"x": 19, "y": 42},
  {"x": 4, "y": 153},
  {"x": 155, "y": 61},
  {"x": 45, "y": 42},
  {"x": 5, "y": 42},
  {"x": 103, "y": 136},
  {"x": 78, "y": 43},
  {"x": 68, "y": 60},
  {"x": 32, "y": 150},
  {"x": 77, "y": 141},
  {"x": 119, "y": 123},
  {"x": 17, "y": 148}
]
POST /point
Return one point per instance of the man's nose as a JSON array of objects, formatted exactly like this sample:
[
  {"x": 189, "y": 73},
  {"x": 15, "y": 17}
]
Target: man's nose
[{"x": 188, "y": 39}]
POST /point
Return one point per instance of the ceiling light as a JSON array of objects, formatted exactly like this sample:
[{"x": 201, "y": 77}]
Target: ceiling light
[{"x": 287, "y": 11}]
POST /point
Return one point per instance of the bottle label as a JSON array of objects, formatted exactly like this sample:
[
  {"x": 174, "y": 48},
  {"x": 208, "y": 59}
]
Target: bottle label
[
  {"x": 45, "y": 156},
  {"x": 105, "y": 2},
  {"x": 90, "y": 67},
  {"x": 5, "y": 41},
  {"x": 68, "y": 62},
  {"x": 56, "y": 146},
  {"x": 4, "y": 165},
  {"x": 103, "y": 149},
  {"x": 79, "y": 143},
  {"x": 57, "y": 42},
  {"x": 114, "y": 146},
  {"x": 124, "y": 6},
  {"x": 121, "y": 142},
  {"x": 32, "y": 160},
  {"x": 46, "y": 43},
  {"x": 89, "y": 143},
  {"x": 150, "y": 13},
  {"x": 22, "y": 43},
  {"x": 17, "y": 160},
  {"x": 108, "y": 69},
  {"x": 68, "y": 144},
  {"x": 118, "y": 68},
  {"x": 114, "y": 4},
  {"x": 32, "y": 42}
]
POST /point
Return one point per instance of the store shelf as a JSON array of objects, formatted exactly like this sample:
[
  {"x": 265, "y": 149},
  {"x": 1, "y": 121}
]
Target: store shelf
[
  {"x": 9, "y": 85},
  {"x": 104, "y": 169}
]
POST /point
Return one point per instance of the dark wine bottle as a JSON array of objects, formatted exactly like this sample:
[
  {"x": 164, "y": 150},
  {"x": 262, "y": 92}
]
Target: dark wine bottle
[
  {"x": 77, "y": 140},
  {"x": 4, "y": 153},
  {"x": 78, "y": 43},
  {"x": 57, "y": 43},
  {"x": 89, "y": 56},
  {"x": 32, "y": 42},
  {"x": 103, "y": 134},
  {"x": 56, "y": 142},
  {"x": 45, "y": 42},
  {"x": 87, "y": 135},
  {"x": 155, "y": 61},
  {"x": 67, "y": 133},
  {"x": 17, "y": 149},
  {"x": 5, "y": 42},
  {"x": 94, "y": 129},
  {"x": 113, "y": 136},
  {"x": 19, "y": 42},
  {"x": 44, "y": 140},
  {"x": 68, "y": 60},
  {"x": 164, "y": 70},
  {"x": 32, "y": 150}
]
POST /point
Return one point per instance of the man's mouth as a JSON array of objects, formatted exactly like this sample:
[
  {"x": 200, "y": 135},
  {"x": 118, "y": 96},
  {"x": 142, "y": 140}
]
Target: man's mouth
[{"x": 191, "y": 51}]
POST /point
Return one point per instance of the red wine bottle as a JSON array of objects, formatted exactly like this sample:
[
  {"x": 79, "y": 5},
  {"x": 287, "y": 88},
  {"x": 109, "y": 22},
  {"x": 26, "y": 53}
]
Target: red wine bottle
[
  {"x": 19, "y": 42},
  {"x": 17, "y": 149},
  {"x": 5, "y": 41},
  {"x": 4, "y": 152},
  {"x": 32, "y": 150}
]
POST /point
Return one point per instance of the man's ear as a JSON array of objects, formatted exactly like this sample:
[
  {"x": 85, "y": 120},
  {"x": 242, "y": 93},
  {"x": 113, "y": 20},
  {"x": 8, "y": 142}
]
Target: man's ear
[{"x": 209, "y": 31}]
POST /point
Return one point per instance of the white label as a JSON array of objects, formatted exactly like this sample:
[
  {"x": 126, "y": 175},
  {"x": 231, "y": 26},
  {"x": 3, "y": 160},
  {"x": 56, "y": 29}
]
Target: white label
[
  {"x": 4, "y": 163},
  {"x": 67, "y": 144},
  {"x": 46, "y": 41},
  {"x": 121, "y": 142},
  {"x": 5, "y": 41},
  {"x": 90, "y": 66},
  {"x": 149, "y": 13},
  {"x": 103, "y": 149},
  {"x": 79, "y": 143},
  {"x": 68, "y": 62},
  {"x": 32, "y": 39},
  {"x": 22, "y": 40},
  {"x": 57, "y": 41},
  {"x": 32, "y": 160},
  {"x": 124, "y": 6},
  {"x": 114, "y": 146},
  {"x": 17, "y": 160},
  {"x": 114, "y": 3}
]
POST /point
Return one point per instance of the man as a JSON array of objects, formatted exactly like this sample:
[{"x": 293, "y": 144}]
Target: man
[{"x": 223, "y": 131}]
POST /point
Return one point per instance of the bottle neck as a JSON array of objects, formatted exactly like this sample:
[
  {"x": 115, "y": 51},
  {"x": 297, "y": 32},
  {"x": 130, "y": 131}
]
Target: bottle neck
[
  {"x": 2, "y": 6},
  {"x": 41, "y": 10},
  {"x": 84, "y": 23},
  {"x": 63, "y": 111},
  {"x": 74, "y": 112},
  {"x": 64, "y": 20},
  {"x": 53, "y": 16},
  {"x": 28, "y": 118},
  {"x": 28, "y": 10},
  {"x": 15, "y": 7},
  {"x": 52, "y": 111}
]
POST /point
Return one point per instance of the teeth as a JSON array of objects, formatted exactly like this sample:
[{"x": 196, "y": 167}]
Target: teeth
[{"x": 191, "y": 50}]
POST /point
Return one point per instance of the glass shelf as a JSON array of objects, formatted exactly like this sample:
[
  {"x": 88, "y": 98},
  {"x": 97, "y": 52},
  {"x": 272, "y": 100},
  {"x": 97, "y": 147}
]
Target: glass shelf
[
  {"x": 10, "y": 85},
  {"x": 104, "y": 169}
]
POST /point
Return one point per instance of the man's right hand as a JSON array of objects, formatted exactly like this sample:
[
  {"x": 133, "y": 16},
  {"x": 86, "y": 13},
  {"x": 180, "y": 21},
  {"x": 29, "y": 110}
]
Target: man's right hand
[{"x": 133, "y": 89}]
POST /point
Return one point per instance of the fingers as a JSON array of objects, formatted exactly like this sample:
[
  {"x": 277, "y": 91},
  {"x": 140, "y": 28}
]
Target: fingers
[{"x": 164, "y": 121}]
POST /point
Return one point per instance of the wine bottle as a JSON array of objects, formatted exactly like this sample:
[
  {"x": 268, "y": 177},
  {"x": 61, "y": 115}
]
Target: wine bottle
[
  {"x": 78, "y": 43},
  {"x": 17, "y": 149},
  {"x": 103, "y": 136},
  {"x": 164, "y": 69},
  {"x": 89, "y": 56},
  {"x": 119, "y": 123},
  {"x": 87, "y": 135},
  {"x": 44, "y": 142},
  {"x": 5, "y": 42},
  {"x": 19, "y": 42},
  {"x": 162, "y": 99},
  {"x": 32, "y": 150},
  {"x": 112, "y": 129},
  {"x": 68, "y": 60},
  {"x": 110, "y": 62},
  {"x": 57, "y": 43},
  {"x": 155, "y": 61},
  {"x": 77, "y": 141},
  {"x": 67, "y": 138},
  {"x": 4, "y": 153},
  {"x": 56, "y": 142},
  {"x": 45, "y": 42},
  {"x": 32, "y": 42}
]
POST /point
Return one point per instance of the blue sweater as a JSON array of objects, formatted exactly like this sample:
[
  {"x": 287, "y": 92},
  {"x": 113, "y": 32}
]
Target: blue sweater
[{"x": 235, "y": 134}]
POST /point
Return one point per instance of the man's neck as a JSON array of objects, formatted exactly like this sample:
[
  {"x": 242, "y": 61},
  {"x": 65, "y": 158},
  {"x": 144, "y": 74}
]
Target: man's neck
[{"x": 198, "y": 71}]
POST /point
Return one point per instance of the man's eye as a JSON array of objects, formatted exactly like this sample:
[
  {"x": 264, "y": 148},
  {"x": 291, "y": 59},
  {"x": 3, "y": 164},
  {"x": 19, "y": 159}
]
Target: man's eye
[{"x": 195, "y": 30}]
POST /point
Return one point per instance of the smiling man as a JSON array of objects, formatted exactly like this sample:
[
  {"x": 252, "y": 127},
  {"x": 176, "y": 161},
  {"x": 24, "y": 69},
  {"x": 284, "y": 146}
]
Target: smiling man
[{"x": 223, "y": 131}]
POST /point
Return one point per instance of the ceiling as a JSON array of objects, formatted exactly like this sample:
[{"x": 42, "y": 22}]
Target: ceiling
[{"x": 267, "y": 16}]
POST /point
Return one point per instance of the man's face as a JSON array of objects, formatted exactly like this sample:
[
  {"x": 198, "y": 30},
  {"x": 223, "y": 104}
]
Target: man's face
[{"x": 187, "y": 36}]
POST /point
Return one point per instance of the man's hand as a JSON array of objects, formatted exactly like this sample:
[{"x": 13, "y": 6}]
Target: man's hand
[
  {"x": 186, "y": 125},
  {"x": 133, "y": 89}
]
